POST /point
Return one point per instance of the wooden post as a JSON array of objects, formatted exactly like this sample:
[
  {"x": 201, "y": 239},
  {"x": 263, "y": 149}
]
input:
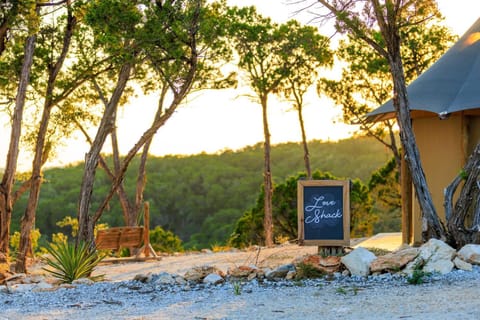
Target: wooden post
[
  {"x": 146, "y": 226},
  {"x": 407, "y": 202}
]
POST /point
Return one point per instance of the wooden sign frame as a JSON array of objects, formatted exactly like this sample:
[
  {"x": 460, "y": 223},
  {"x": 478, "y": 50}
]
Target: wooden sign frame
[{"x": 318, "y": 205}]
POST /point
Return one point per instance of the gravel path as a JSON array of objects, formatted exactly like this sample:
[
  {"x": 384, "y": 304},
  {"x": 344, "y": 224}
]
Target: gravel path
[{"x": 453, "y": 296}]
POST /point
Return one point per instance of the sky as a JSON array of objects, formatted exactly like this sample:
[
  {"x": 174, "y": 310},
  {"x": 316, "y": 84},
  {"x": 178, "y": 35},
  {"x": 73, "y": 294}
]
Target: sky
[{"x": 212, "y": 121}]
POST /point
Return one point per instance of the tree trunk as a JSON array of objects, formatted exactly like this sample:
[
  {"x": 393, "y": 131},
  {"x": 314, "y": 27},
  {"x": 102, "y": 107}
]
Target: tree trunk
[
  {"x": 122, "y": 194},
  {"x": 132, "y": 211},
  {"x": 86, "y": 224},
  {"x": 3, "y": 36},
  {"x": 41, "y": 150},
  {"x": 267, "y": 178},
  {"x": 142, "y": 168},
  {"x": 180, "y": 90},
  {"x": 431, "y": 224},
  {"x": 179, "y": 94},
  {"x": 147, "y": 135},
  {"x": 306, "y": 153},
  {"x": 467, "y": 205},
  {"x": 6, "y": 186},
  {"x": 407, "y": 203}
]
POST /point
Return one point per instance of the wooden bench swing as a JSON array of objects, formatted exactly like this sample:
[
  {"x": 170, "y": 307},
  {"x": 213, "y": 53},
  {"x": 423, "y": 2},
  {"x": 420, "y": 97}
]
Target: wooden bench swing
[{"x": 134, "y": 238}]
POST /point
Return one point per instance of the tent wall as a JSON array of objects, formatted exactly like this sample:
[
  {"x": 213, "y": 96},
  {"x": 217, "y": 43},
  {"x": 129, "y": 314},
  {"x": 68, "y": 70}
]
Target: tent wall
[{"x": 444, "y": 146}]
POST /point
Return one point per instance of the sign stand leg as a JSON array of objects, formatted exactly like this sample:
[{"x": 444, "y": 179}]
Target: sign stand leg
[{"x": 330, "y": 251}]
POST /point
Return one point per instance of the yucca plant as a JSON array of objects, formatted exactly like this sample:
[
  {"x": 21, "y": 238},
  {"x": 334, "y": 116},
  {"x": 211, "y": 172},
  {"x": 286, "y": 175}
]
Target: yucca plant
[{"x": 69, "y": 262}]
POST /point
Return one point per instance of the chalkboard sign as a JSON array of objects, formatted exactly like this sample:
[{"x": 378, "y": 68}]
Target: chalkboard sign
[{"x": 323, "y": 212}]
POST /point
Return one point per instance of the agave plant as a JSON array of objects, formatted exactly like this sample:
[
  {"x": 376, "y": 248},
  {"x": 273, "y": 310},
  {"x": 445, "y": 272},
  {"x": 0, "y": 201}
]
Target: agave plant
[{"x": 69, "y": 262}]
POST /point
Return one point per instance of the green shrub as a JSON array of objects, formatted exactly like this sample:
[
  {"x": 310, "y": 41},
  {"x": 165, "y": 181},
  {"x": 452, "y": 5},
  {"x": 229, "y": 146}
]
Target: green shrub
[
  {"x": 69, "y": 262},
  {"x": 15, "y": 240},
  {"x": 307, "y": 271},
  {"x": 249, "y": 228},
  {"x": 165, "y": 241},
  {"x": 418, "y": 277}
]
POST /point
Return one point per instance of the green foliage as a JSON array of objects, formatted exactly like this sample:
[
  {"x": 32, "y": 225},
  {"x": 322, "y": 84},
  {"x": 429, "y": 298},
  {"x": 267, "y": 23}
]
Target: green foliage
[
  {"x": 366, "y": 80},
  {"x": 68, "y": 262},
  {"x": 308, "y": 271},
  {"x": 362, "y": 217},
  {"x": 59, "y": 238},
  {"x": 249, "y": 228},
  {"x": 384, "y": 188},
  {"x": 69, "y": 222},
  {"x": 341, "y": 290},
  {"x": 114, "y": 23},
  {"x": 199, "y": 198},
  {"x": 237, "y": 288},
  {"x": 165, "y": 241},
  {"x": 34, "y": 237},
  {"x": 418, "y": 277},
  {"x": 72, "y": 223}
]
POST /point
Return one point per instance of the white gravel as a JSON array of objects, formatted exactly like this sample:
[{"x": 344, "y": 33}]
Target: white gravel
[{"x": 453, "y": 296}]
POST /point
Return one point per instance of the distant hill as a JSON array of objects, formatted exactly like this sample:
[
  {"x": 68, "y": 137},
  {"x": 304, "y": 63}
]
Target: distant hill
[{"x": 189, "y": 193}]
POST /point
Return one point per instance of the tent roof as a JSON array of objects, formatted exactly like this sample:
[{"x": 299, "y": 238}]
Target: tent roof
[{"x": 450, "y": 85}]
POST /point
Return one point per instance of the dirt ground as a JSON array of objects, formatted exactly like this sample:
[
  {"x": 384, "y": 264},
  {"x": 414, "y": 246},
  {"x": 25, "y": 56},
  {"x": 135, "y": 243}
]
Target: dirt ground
[
  {"x": 262, "y": 257},
  {"x": 180, "y": 263}
]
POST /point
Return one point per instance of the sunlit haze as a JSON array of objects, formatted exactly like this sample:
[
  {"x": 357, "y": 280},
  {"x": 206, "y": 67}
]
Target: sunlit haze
[{"x": 212, "y": 121}]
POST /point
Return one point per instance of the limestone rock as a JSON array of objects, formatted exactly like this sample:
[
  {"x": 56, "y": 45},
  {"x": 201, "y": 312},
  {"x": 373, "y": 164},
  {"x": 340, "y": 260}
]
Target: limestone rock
[
  {"x": 470, "y": 253},
  {"x": 438, "y": 256},
  {"x": 142, "y": 277},
  {"x": 434, "y": 256},
  {"x": 180, "y": 280},
  {"x": 330, "y": 264},
  {"x": 197, "y": 274},
  {"x": 83, "y": 281},
  {"x": 213, "y": 278},
  {"x": 280, "y": 272},
  {"x": 291, "y": 275},
  {"x": 165, "y": 278},
  {"x": 394, "y": 261},
  {"x": 358, "y": 261},
  {"x": 241, "y": 271},
  {"x": 462, "y": 265}
]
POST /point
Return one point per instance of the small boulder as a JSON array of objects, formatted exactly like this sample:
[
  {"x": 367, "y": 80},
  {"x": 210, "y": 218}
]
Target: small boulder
[
  {"x": 241, "y": 271},
  {"x": 180, "y": 280},
  {"x": 438, "y": 256},
  {"x": 434, "y": 256},
  {"x": 142, "y": 277},
  {"x": 291, "y": 275},
  {"x": 358, "y": 261},
  {"x": 213, "y": 278},
  {"x": 470, "y": 253},
  {"x": 280, "y": 272},
  {"x": 394, "y": 261},
  {"x": 330, "y": 264},
  {"x": 86, "y": 281},
  {"x": 165, "y": 278},
  {"x": 462, "y": 265},
  {"x": 197, "y": 274}
]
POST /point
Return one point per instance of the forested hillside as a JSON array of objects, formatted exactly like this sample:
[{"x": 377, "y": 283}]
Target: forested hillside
[{"x": 205, "y": 193}]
